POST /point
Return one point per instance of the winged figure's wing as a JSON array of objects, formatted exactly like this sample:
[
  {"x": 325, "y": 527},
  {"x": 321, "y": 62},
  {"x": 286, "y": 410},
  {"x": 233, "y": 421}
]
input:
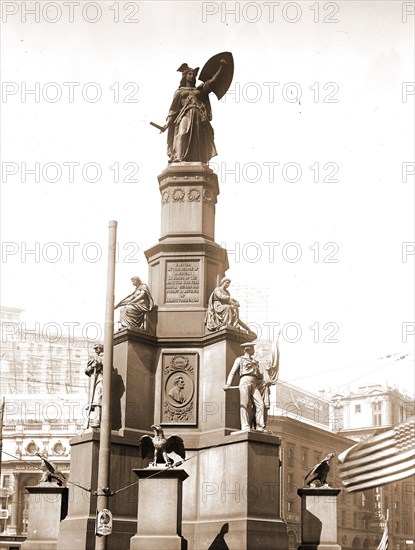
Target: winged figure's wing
[
  {"x": 146, "y": 446},
  {"x": 174, "y": 444},
  {"x": 314, "y": 470},
  {"x": 51, "y": 467}
]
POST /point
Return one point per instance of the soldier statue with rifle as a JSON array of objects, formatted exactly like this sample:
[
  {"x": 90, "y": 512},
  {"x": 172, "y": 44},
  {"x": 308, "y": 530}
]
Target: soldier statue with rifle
[
  {"x": 94, "y": 370},
  {"x": 254, "y": 386}
]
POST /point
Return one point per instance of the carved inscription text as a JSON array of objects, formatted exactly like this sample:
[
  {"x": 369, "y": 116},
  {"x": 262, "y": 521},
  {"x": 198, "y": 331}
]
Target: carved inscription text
[{"x": 182, "y": 282}]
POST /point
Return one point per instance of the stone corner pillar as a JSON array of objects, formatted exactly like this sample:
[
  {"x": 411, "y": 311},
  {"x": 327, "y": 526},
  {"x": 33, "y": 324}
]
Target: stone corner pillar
[
  {"x": 48, "y": 506},
  {"x": 159, "y": 509},
  {"x": 318, "y": 518}
]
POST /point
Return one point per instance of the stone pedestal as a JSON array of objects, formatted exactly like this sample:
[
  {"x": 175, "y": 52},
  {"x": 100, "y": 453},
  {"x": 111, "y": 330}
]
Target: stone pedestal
[
  {"x": 233, "y": 493},
  {"x": 48, "y": 505},
  {"x": 159, "y": 517},
  {"x": 318, "y": 519},
  {"x": 77, "y": 530},
  {"x": 186, "y": 265}
]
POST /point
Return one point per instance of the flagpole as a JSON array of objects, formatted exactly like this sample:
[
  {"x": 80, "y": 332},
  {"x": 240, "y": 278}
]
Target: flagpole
[
  {"x": 384, "y": 541},
  {"x": 105, "y": 425},
  {"x": 3, "y": 401}
]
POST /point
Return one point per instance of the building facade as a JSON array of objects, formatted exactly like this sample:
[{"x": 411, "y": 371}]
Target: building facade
[
  {"x": 45, "y": 390},
  {"x": 359, "y": 414}
]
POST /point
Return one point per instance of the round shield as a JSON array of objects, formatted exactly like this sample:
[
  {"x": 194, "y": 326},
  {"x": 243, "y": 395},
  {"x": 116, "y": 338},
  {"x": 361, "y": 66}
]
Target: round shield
[{"x": 224, "y": 79}]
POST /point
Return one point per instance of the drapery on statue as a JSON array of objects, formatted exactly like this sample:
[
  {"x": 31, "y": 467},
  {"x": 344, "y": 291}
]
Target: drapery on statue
[
  {"x": 190, "y": 136},
  {"x": 94, "y": 370},
  {"x": 223, "y": 310},
  {"x": 135, "y": 306}
]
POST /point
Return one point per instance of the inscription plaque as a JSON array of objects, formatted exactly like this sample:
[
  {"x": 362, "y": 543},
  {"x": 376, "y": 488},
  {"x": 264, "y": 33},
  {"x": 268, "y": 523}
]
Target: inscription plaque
[{"x": 182, "y": 282}]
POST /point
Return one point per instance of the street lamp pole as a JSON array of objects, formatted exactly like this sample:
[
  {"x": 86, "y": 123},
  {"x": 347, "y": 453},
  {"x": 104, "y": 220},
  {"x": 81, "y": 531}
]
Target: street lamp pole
[{"x": 105, "y": 426}]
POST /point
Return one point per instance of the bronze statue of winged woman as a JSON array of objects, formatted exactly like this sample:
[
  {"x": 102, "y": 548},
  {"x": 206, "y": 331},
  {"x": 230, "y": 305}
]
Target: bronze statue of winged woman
[{"x": 190, "y": 136}]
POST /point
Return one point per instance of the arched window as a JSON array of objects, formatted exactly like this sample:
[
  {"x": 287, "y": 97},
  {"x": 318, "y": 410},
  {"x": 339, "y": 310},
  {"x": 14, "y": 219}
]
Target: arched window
[
  {"x": 58, "y": 448},
  {"x": 356, "y": 543},
  {"x": 32, "y": 448},
  {"x": 292, "y": 540}
]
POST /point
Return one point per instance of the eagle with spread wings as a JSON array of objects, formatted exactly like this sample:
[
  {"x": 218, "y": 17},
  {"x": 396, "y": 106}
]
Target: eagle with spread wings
[
  {"x": 319, "y": 472},
  {"x": 159, "y": 447},
  {"x": 52, "y": 474}
]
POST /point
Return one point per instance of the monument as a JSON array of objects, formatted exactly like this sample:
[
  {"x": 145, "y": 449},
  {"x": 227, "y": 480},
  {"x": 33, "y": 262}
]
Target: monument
[
  {"x": 48, "y": 505},
  {"x": 171, "y": 366},
  {"x": 94, "y": 371},
  {"x": 319, "y": 509}
]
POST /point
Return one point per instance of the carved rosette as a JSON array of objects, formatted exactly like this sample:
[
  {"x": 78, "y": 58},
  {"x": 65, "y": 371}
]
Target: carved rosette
[
  {"x": 207, "y": 195},
  {"x": 179, "y": 388},
  {"x": 178, "y": 194},
  {"x": 165, "y": 197},
  {"x": 193, "y": 195}
]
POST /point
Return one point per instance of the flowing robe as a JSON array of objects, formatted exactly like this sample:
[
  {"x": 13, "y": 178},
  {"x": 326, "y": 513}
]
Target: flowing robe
[
  {"x": 221, "y": 311},
  {"x": 135, "y": 306},
  {"x": 191, "y": 138}
]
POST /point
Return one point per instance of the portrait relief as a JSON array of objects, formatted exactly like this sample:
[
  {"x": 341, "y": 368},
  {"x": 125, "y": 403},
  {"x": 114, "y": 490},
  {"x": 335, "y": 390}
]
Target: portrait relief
[{"x": 179, "y": 383}]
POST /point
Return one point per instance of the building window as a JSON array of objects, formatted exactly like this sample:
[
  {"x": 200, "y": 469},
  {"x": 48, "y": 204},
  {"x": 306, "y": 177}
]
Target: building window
[
  {"x": 357, "y": 524},
  {"x": 6, "y": 481},
  {"x": 290, "y": 484},
  {"x": 377, "y": 414},
  {"x": 405, "y": 527},
  {"x": 291, "y": 507},
  {"x": 343, "y": 518},
  {"x": 397, "y": 527},
  {"x": 58, "y": 448},
  {"x": 357, "y": 409},
  {"x": 304, "y": 457},
  {"x": 32, "y": 448},
  {"x": 317, "y": 457},
  {"x": 292, "y": 540},
  {"x": 290, "y": 455}
]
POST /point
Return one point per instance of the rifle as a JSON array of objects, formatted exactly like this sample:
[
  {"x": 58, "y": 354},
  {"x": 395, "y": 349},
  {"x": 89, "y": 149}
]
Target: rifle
[{"x": 90, "y": 404}]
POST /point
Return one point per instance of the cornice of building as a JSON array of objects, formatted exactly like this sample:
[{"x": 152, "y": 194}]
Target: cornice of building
[
  {"x": 296, "y": 428},
  {"x": 375, "y": 390}
]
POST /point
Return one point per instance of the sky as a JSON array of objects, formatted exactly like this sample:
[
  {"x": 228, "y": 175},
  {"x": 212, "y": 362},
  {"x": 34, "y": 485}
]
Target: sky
[{"x": 315, "y": 163}]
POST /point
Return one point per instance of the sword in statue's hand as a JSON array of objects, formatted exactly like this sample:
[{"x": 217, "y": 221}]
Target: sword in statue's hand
[{"x": 161, "y": 128}]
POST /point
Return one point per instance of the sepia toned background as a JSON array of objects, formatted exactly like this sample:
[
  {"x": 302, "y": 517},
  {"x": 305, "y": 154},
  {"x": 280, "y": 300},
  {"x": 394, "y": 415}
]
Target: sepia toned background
[{"x": 315, "y": 167}]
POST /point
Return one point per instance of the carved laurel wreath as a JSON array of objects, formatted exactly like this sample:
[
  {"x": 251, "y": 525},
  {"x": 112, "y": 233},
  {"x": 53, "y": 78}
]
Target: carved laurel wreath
[
  {"x": 193, "y": 194},
  {"x": 178, "y": 194},
  {"x": 207, "y": 195},
  {"x": 180, "y": 414},
  {"x": 165, "y": 197},
  {"x": 179, "y": 363}
]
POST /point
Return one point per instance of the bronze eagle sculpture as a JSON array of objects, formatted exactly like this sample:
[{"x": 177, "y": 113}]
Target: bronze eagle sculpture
[
  {"x": 51, "y": 473},
  {"x": 319, "y": 472},
  {"x": 160, "y": 446}
]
